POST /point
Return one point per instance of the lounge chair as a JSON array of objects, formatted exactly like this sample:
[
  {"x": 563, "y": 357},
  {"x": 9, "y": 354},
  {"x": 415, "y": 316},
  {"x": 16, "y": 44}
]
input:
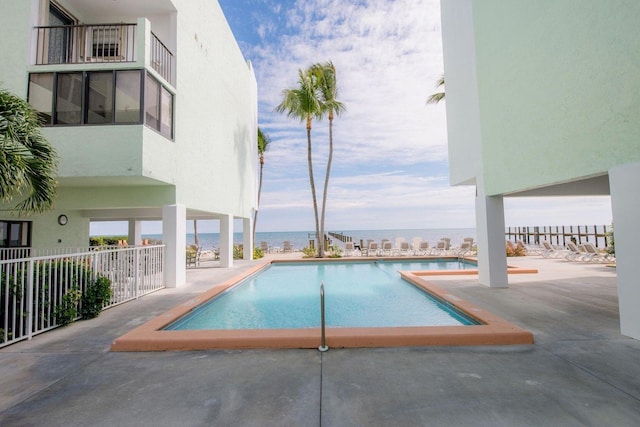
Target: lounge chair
[
  {"x": 193, "y": 255},
  {"x": 373, "y": 249},
  {"x": 387, "y": 248},
  {"x": 405, "y": 248},
  {"x": 350, "y": 249},
  {"x": 574, "y": 252},
  {"x": 265, "y": 247},
  {"x": 423, "y": 248},
  {"x": 530, "y": 250},
  {"x": 440, "y": 248},
  {"x": 592, "y": 254},
  {"x": 464, "y": 249},
  {"x": 447, "y": 241},
  {"x": 549, "y": 251}
]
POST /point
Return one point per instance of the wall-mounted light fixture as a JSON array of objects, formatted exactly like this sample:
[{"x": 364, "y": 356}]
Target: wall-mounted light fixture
[{"x": 63, "y": 220}]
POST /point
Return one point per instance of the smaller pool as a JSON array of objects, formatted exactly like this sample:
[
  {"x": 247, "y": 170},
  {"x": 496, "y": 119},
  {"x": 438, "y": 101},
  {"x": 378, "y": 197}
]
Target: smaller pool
[{"x": 357, "y": 294}]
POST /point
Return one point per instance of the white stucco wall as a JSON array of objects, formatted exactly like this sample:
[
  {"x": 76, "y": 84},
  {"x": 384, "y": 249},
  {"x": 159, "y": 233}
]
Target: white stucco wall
[
  {"x": 463, "y": 124},
  {"x": 558, "y": 88},
  {"x": 216, "y": 114}
]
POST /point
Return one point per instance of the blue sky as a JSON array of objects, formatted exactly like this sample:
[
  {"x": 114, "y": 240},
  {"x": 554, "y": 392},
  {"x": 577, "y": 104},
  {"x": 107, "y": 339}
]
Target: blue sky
[{"x": 390, "y": 167}]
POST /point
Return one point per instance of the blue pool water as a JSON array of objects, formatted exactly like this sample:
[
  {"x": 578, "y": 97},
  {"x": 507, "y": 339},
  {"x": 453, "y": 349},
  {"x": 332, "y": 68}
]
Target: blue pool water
[{"x": 357, "y": 294}]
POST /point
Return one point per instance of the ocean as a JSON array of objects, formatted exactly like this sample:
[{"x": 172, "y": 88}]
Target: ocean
[{"x": 300, "y": 239}]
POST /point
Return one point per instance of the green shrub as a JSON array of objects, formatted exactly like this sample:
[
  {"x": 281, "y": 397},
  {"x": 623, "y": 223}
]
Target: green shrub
[
  {"x": 106, "y": 240},
  {"x": 95, "y": 296},
  {"x": 67, "y": 311},
  {"x": 308, "y": 252},
  {"x": 611, "y": 248},
  {"x": 258, "y": 253},
  {"x": 335, "y": 251},
  {"x": 238, "y": 251}
]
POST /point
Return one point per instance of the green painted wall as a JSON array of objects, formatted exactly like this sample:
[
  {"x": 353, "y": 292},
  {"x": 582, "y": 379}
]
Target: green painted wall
[
  {"x": 14, "y": 33},
  {"x": 558, "y": 86}
]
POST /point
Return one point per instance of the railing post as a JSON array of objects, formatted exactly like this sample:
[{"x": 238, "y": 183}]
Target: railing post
[
  {"x": 136, "y": 266},
  {"x": 323, "y": 344},
  {"x": 29, "y": 307}
]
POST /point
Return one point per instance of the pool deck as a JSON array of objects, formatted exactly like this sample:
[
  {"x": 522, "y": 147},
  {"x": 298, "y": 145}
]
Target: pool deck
[{"x": 579, "y": 372}]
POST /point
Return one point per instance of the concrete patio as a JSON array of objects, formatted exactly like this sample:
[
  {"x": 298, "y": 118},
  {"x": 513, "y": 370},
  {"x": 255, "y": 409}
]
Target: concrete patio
[{"x": 580, "y": 371}]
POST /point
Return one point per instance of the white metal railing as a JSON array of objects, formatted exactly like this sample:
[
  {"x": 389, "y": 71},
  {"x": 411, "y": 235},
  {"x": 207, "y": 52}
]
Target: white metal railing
[
  {"x": 26, "y": 252},
  {"x": 161, "y": 58},
  {"x": 32, "y": 288},
  {"x": 77, "y": 44}
]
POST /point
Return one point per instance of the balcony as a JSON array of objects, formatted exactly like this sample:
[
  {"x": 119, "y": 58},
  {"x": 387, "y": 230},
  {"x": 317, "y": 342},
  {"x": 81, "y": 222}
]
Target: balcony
[{"x": 104, "y": 44}]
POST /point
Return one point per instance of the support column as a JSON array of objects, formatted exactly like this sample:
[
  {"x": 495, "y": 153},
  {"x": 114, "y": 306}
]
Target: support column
[
  {"x": 174, "y": 236},
  {"x": 247, "y": 238},
  {"x": 226, "y": 241},
  {"x": 135, "y": 232},
  {"x": 492, "y": 258},
  {"x": 625, "y": 205}
]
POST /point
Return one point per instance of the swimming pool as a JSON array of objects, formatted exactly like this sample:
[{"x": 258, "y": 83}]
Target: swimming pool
[
  {"x": 492, "y": 330},
  {"x": 357, "y": 294}
]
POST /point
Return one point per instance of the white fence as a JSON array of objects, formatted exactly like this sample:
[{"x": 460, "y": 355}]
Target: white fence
[{"x": 32, "y": 288}]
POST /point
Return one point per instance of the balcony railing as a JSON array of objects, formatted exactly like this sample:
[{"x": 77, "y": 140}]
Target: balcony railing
[
  {"x": 161, "y": 58},
  {"x": 110, "y": 43},
  {"x": 77, "y": 44}
]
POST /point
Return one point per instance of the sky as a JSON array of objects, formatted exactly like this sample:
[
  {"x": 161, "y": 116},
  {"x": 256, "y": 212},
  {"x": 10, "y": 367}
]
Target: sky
[{"x": 390, "y": 167}]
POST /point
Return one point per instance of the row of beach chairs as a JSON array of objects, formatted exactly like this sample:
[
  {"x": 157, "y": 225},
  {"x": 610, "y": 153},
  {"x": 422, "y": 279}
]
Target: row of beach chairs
[
  {"x": 417, "y": 247},
  {"x": 586, "y": 252},
  {"x": 287, "y": 246}
]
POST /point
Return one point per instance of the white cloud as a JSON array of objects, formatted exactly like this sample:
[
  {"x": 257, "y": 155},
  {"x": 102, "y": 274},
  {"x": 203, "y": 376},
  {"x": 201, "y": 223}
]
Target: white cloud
[{"x": 388, "y": 56}]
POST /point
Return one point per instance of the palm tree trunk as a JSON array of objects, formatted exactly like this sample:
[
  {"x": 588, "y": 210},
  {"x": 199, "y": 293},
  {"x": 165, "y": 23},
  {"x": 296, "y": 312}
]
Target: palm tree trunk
[
  {"x": 255, "y": 215},
  {"x": 313, "y": 188},
  {"x": 326, "y": 179}
]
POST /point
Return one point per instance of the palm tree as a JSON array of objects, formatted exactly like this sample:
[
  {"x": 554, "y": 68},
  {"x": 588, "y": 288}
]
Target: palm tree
[
  {"x": 263, "y": 145},
  {"x": 328, "y": 88},
  {"x": 28, "y": 163},
  {"x": 303, "y": 103},
  {"x": 438, "y": 96}
]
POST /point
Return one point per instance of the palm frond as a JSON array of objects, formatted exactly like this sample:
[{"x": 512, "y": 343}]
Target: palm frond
[
  {"x": 438, "y": 96},
  {"x": 28, "y": 163}
]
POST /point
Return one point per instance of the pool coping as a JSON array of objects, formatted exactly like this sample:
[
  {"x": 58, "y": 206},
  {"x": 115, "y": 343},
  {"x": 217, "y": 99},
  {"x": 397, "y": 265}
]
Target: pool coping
[{"x": 493, "y": 330}]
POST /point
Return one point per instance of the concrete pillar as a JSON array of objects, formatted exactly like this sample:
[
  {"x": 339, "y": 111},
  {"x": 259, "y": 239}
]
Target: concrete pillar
[
  {"x": 226, "y": 241},
  {"x": 135, "y": 232},
  {"x": 174, "y": 236},
  {"x": 625, "y": 205},
  {"x": 247, "y": 238},
  {"x": 492, "y": 258}
]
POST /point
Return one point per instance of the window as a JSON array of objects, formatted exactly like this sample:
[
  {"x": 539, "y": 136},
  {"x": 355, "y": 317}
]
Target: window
[
  {"x": 158, "y": 103},
  {"x": 166, "y": 113},
  {"x": 128, "y": 96},
  {"x": 152, "y": 103},
  {"x": 102, "y": 97},
  {"x": 41, "y": 94},
  {"x": 15, "y": 234},
  {"x": 105, "y": 42},
  {"x": 69, "y": 99}
]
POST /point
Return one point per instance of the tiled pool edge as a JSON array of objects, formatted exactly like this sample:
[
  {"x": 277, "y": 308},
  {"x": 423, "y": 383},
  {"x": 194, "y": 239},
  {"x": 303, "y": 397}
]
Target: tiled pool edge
[{"x": 493, "y": 331}]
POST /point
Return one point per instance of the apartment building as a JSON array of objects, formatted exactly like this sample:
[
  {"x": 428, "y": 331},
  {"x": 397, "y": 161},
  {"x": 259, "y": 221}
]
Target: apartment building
[
  {"x": 543, "y": 99},
  {"x": 152, "y": 109}
]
